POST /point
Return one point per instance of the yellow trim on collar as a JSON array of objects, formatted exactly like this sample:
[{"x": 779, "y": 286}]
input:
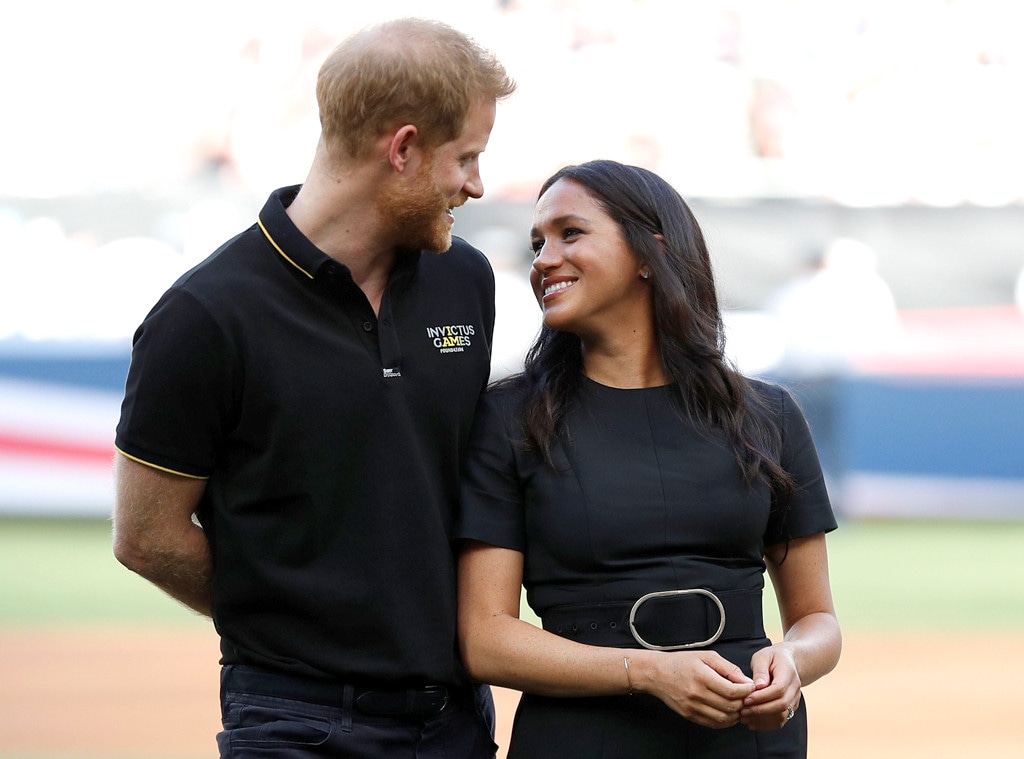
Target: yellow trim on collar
[
  {"x": 161, "y": 468},
  {"x": 277, "y": 247}
]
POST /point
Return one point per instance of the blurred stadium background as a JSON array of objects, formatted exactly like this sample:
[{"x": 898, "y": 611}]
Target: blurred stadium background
[{"x": 858, "y": 168}]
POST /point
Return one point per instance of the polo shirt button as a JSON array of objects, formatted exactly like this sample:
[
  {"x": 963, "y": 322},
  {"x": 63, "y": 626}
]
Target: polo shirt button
[{"x": 368, "y": 326}]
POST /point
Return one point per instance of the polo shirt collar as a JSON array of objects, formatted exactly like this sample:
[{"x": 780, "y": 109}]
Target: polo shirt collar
[{"x": 296, "y": 248}]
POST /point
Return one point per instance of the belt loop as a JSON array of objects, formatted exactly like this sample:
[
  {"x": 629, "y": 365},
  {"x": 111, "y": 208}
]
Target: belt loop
[
  {"x": 225, "y": 672},
  {"x": 348, "y": 699}
]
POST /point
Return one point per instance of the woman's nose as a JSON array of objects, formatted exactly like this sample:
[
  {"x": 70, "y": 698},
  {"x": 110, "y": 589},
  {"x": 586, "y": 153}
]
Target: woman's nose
[{"x": 546, "y": 258}]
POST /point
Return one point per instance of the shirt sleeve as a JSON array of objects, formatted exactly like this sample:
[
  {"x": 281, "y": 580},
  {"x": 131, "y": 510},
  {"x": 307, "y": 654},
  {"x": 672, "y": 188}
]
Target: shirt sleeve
[
  {"x": 491, "y": 508},
  {"x": 807, "y": 510},
  {"x": 178, "y": 389}
]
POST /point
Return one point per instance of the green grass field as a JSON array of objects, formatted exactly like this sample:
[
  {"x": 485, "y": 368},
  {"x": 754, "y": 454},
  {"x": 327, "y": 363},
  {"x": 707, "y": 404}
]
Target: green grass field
[
  {"x": 62, "y": 571},
  {"x": 930, "y": 579},
  {"x": 885, "y": 575}
]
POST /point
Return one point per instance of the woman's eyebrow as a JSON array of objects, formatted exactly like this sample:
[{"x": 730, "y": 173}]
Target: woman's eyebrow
[{"x": 559, "y": 221}]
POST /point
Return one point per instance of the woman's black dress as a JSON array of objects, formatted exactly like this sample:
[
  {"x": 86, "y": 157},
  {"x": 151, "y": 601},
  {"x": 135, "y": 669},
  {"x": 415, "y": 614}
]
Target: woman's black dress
[{"x": 641, "y": 501}]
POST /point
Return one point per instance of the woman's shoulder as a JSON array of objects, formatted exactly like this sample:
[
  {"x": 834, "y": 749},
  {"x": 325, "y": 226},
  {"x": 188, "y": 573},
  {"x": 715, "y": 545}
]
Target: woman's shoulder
[
  {"x": 771, "y": 395},
  {"x": 508, "y": 393},
  {"x": 499, "y": 410},
  {"x": 766, "y": 389}
]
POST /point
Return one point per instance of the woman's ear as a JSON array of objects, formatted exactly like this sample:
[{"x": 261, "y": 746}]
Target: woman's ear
[{"x": 645, "y": 272}]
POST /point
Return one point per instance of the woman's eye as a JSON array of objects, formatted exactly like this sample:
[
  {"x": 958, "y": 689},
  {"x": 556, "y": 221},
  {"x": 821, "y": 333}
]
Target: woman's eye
[
  {"x": 535, "y": 246},
  {"x": 571, "y": 232}
]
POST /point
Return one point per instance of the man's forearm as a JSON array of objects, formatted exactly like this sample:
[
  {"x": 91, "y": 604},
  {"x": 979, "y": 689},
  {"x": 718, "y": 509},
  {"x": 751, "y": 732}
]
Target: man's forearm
[{"x": 182, "y": 568}]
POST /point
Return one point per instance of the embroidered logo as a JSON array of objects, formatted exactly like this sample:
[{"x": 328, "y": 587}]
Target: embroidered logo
[
  {"x": 453, "y": 338},
  {"x": 392, "y": 371}
]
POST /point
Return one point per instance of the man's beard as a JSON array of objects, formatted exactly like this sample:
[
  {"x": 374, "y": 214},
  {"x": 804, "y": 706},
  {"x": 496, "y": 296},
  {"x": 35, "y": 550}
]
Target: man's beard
[{"x": 418, "y": 215}]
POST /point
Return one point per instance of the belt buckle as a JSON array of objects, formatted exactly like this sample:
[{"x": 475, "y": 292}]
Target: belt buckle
[
  {"x": 436, "y": 691},
  {"x": 679, "y": 647},
  {"x": 427, "y": 701}
]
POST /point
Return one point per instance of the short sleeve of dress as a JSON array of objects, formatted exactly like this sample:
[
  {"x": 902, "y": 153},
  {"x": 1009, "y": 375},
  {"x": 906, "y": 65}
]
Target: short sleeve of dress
[
  {"x": 178, "y": 388},
  {"x": 807, "y": 510},
  {"x": 491, "y": 500}
]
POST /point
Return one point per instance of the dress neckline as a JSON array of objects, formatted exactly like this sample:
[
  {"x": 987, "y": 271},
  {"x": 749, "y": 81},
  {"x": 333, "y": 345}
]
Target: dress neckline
[{"x": 600, "y": 387}]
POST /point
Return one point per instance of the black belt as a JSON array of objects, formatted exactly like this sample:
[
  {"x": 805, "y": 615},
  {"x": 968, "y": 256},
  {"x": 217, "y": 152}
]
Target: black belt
[
  {"x": 668, "y": 620},
  {"x": 424, "y": 701}
]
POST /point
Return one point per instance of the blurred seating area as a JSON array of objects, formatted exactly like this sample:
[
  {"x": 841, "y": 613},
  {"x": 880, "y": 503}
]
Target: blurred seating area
[
  {"x": 866, "y": 103},
  {"x": 837, "y": 154}
]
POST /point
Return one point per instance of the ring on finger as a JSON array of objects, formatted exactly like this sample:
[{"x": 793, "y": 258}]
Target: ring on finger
[{"x": 790, "y": 711}]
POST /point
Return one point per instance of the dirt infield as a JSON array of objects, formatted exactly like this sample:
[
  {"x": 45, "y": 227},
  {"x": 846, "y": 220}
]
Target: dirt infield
[{"x": 153, "y": 695}]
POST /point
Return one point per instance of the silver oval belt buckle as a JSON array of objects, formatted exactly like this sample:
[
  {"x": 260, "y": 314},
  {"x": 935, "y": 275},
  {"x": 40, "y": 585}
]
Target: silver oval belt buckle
[{"x": 664, "y": 593}]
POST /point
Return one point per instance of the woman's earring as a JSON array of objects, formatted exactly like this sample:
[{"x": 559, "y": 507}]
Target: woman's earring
[{"x": 646, "y": 274}]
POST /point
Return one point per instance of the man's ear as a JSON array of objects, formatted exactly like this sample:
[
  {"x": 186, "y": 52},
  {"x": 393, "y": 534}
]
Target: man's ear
[{"x": 400, "y": 149}]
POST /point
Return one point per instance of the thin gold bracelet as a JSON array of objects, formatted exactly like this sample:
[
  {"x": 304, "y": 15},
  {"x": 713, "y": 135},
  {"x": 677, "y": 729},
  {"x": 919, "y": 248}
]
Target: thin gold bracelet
[{"x": 629, "y": 682}]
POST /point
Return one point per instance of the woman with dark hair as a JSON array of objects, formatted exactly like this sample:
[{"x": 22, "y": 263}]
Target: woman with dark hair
[{"x": 639, "y": 487}]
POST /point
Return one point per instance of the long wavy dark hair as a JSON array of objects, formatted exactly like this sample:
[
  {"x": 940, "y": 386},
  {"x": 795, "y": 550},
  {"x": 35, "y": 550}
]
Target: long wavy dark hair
[{"x": 662, "y": 232}]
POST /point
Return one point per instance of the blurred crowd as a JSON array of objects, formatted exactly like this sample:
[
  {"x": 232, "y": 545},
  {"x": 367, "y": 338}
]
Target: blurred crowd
[
  {"x": 864, "y": 102},
  {"x": 869, "y": 102},
  {"x": 860, "y": 103}
]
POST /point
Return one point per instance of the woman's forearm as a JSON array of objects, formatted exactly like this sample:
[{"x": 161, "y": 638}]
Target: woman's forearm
[
  {"x": 515, "y": 654},
  {"x": 816, "y": 642}
]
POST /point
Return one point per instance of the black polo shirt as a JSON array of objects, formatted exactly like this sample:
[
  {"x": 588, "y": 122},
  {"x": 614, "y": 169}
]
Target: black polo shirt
[{"x": 330, "y": 438}]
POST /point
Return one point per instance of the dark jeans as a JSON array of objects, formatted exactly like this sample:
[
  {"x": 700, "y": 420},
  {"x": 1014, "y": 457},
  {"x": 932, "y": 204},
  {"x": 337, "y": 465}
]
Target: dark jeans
[{"x": 268, "y": 727}]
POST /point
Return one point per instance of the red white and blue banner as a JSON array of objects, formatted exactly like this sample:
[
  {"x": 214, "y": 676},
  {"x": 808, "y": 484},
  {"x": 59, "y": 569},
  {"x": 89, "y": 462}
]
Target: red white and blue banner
[
  {"x": 59, "y": 404},
  {"x": 930, "y": 427}
]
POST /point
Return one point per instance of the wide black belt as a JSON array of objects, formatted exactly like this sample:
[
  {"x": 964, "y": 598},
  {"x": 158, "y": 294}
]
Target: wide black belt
[
  {"x": 664, "y": 620},
  {"x": 423, "y": 701}
]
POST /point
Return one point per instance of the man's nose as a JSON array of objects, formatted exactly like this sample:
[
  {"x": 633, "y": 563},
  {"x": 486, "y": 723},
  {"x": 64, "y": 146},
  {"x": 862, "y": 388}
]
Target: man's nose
[{"x": 474, "y": 186}]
